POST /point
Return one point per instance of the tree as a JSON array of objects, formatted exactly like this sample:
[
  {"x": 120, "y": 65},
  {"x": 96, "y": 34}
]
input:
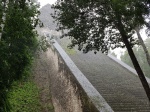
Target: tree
[
  {"x": 139, "y": 52},
  {"x": 101, "y": 24},
  {"x": 17, "y": 44},
  {"x": 2, "y": 15},
  {"x": 143, "y": 45},
  {"x": 113, "y": 54}
]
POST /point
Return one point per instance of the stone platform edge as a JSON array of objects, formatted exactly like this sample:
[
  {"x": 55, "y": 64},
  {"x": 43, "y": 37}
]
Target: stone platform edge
[{"x": 93, "y": 95}]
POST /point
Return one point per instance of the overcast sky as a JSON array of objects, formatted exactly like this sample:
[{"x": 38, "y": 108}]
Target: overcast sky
[{"x": 44, "y": 2}]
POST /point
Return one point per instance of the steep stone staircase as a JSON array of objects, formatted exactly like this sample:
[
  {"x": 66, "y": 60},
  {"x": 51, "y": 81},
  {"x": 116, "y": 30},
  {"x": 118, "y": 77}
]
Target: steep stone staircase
[{"x": 120, "y": 88}]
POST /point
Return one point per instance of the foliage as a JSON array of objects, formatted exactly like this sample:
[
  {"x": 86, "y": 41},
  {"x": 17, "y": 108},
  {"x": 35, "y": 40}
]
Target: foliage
[
  {"x": 24, "y": 97},
  {"x": 103, "y": 24},
  {"x": 113, "y": 54},
  {"x": 17, "y": 43},
  {"x": 43, "y": 44},
  {"x": 93, "y": 24},
  {"x": 140, "y": 56},
  {"x": 65, "y": 43}
]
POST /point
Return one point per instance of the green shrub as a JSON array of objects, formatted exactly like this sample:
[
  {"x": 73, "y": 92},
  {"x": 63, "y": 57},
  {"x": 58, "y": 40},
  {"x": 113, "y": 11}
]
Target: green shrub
[{"x": 24, "y": 97}]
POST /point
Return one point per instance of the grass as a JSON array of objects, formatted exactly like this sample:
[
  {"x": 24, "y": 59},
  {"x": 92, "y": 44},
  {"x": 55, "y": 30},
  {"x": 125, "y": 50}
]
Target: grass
[
  {"x": 24, "y": 97},
  {"x": 69, "y": 51},
  {"x": 64, "y": 42}
]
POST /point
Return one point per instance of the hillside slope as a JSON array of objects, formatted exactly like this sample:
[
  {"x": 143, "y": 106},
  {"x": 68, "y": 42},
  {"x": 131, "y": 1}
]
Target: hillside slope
[{"x": 46, "y": 18}]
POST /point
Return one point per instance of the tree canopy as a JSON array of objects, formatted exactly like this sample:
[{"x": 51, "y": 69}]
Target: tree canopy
[
  {"x": 17, "y": 43},
  {"x": 140, "y": 56},
  {"x": 94, "y": 23},
  {"x": 103, "y": 24}
]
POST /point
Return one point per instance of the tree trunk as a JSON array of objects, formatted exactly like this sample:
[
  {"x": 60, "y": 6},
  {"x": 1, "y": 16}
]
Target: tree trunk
[
  {"x": 2, "y": 17},
  {"x": 133, "y": 58},
  {"x": 143, "y": 45}
]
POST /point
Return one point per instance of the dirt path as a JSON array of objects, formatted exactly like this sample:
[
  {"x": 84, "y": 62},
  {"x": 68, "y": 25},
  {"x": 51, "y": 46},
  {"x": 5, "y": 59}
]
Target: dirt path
[{"x": 41, "y": 78}]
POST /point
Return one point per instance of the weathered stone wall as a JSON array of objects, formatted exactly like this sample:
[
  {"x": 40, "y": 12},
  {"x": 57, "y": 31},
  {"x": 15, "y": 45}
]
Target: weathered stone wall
[{"x": 70, "y": 90}]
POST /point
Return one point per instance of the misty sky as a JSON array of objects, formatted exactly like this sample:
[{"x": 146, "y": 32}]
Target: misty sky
[{"x": 44, "y": 2}]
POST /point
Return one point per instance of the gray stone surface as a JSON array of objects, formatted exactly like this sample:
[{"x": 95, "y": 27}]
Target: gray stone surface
[
  {"x": 93, "y": 95},
  {"x": 119, "y": 87},
  {"x": 127, "y": 66}
]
